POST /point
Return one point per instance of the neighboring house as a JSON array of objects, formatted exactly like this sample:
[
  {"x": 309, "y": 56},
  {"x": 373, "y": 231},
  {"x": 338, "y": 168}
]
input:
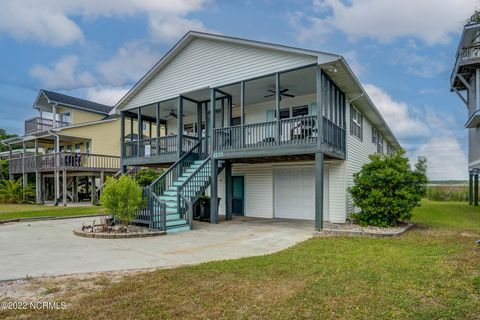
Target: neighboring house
[
  {"x": 267, "y": 130},
  {"x": 465, "y": 81},
  {"x": 75, "y": 145}
]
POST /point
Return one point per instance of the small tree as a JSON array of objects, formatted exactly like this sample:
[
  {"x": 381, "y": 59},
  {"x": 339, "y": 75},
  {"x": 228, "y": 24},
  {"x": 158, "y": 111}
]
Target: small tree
[
  {"x": 14, "y": 192},
  {"x": 145, "y": 177},
  {"x": 387, "y": 189},
  {"x": 122, "y": 198}
]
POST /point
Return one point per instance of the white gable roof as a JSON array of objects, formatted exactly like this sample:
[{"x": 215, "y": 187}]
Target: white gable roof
[{"x": 201, "y": 60}]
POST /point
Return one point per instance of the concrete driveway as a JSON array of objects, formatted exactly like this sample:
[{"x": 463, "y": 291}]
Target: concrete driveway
[{"x": 50, "y": 248}]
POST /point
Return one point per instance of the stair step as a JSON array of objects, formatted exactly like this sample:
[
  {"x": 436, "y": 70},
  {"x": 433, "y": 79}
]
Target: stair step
[
  {"x": 171, "y": 217},
  {"x": 199, "y": 161},
  {"x": 168, "y": 198},
  {"x": 177, "y": 222},
  {"x": 176, "y": 229},
  {"x": 172, "y": 210},
  {"x": 170, "y": 193}
]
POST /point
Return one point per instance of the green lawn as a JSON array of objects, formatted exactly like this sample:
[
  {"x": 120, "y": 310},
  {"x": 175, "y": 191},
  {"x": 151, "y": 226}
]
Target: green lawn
[
  {"x": 15, "y": 211},
  {"x": 431, "y": 272}
]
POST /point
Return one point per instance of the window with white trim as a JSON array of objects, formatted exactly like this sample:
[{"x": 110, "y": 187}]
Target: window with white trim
[{"x": 356, "y": 123}]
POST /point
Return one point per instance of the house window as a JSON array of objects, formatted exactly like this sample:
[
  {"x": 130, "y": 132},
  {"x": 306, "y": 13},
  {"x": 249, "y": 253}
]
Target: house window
[
  {"x": 189, "y": 129},
  {"x": 62, "y": 148},
  {"x": 78, "y": 147},
  {"x": 299, "y": 111},
  {"x": 390, "y": 149},
  {"x": 356, "y": 123},
  {"x": 380, "y": 144},
  {"x": 236, "y": 121},
  {"x": 145, "y": 126},
  {"x": 374, "y": 136},
  {"x": 69, "y": 148},
  {"x": 87, "y": 147},
  {"x": 66, "y": 117}
]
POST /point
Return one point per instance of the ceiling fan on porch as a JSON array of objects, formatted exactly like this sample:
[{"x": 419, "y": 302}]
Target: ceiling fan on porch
[
  {"x": 172, "y": 114},
  {"x": 282, "y": 93}
]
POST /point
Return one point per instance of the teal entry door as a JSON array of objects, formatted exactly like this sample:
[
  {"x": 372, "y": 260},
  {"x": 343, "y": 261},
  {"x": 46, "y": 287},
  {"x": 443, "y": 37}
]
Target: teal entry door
[{"x": 238, "y": 193}]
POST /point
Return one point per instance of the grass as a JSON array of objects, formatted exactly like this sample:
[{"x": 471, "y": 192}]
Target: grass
[
  {"x": 431, "y": 272},
  {"x": 16, "y": 211},
  {"x": 447, "y": 192}
]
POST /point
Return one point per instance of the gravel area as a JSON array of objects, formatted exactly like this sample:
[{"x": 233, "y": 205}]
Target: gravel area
[{"x": 352, "y": 229}]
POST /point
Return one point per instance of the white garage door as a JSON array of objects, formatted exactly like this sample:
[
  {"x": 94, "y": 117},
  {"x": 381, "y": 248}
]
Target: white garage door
[{"x": 294, "y": 194}]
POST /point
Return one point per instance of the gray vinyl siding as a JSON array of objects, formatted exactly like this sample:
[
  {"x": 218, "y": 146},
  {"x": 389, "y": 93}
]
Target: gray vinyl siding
[
  {"x": 337, "y": 191},
  {"x": 258, "y": 189},
  {"x": 211, "y": 63},
  {"x": 357, "y": 153}
]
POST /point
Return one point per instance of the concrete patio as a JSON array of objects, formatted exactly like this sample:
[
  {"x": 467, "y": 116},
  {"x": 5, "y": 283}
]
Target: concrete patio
[{"x": 46, "y": 248}]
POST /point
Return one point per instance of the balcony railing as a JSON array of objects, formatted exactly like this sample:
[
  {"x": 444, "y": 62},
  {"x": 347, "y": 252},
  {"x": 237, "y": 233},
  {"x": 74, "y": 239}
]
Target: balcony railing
[
  {"x": 65, "y": 160},
  {"x": 469, "y": 53},
  {"x": 294, "y": 131},
  {"x": 38, "y": 124},
  {"x": 167, "y": 145}
]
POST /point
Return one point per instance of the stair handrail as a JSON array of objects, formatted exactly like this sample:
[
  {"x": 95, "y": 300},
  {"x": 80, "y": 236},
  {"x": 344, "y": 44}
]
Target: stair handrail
[
  {"x": 176, "y": 163},
  {"x": 157, "y": 212},
  {"x": 190, "y": 200}
]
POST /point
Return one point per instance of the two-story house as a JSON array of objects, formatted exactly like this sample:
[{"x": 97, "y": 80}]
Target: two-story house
[
  {"x": 266, "y": 130},
  {"x": 75, "y": 144},
  {"x": 465, "y": 82}
]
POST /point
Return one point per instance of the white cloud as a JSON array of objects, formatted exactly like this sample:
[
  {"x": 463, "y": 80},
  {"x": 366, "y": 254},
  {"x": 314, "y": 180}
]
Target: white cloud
[
  {"x": 398, "y": 114},
  {"x": 26, "y": 21},
  {"x": 446, "y": 160},
  {"x": 431, "y": 21},
  {"x": 165, "y": 28},
  {"x": 63, "y": 74},
  {"x": 128, "y": 64},
  {"x": 50, "y": 21},
  {"x": 106, "y": 95},
  {"x": 419, "y": 65}
]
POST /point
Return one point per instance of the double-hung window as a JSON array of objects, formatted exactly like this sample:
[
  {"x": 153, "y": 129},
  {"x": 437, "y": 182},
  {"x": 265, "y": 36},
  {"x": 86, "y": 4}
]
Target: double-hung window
[{"x": 356, "y": 123}]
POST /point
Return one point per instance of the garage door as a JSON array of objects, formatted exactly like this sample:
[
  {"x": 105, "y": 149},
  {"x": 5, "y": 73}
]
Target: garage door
[{"x": 294, "y": 192}]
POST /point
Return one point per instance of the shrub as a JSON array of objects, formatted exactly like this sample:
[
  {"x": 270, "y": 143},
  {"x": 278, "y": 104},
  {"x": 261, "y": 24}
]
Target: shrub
[
  {"x": 4, "y": 170},
  {"x": 447, "y": 192},
  {"x": 14, "y": 192},
  {"x": 387, "y": 189},
  {"x": 122, "y": 198},
  {"x": 145, "y": 177}
]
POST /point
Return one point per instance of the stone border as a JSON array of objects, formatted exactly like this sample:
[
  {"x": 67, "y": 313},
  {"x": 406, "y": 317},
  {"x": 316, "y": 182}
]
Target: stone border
[
  {"x": 363, "y": 233},
  {"x": 104, "y": 235},
  {"x": 46, "y": 218}
]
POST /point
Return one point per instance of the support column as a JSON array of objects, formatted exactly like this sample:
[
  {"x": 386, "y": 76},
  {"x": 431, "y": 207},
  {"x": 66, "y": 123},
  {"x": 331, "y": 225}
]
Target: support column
[
  {"x": 319, "y": 163},
  {"x": 64, "y": 187},
  {"x": 277, "y": 108},
  {"x": 228, "y": 190},
  {"x": 477, "y": 88},
  {"x": 10, "y": 153},
  {"x": 199, "y": 128},
  {"x": 54, "y": 117},
  {"x": 179, "y": 126},
  {"x": 44, "y": 190},
  {"x": 157, "y": 127},
  {"x": 122, "y": 134},
  {"x": 56, "y": 178},
  {"x": 140, "y": 130},
  {"x": 207, "y": 125},
  {"x": 222, "y": 121},
  {"x": 102, "y": 180},
  {"x": 319, "y": 157},
  {"x": 229, "y": 112},
  {"x": 24, "y": 174},
  {"x": 214, "y": 164},
  {"x": 92, "y": 191},
  {"x": 75, "y": 189},
  {"x": 475, "y": 191},
  {"x": 470, "y": 188},
  {"x": 38, "y": 184},
  {"x": 242, "y": 113}
]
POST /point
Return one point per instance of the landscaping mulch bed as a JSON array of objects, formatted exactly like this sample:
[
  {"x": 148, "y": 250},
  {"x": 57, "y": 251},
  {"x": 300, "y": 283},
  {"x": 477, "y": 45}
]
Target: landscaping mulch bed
[
  {"x": 356, "y": 230},
  {"x": 107, "y": 230}
]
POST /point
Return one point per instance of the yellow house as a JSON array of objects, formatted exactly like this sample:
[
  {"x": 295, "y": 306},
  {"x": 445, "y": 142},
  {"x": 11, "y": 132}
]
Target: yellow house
[{"x": 76, "y": 145}]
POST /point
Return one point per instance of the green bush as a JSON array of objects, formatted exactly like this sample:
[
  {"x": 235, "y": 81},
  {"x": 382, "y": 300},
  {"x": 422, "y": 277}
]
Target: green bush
[
  {"x": 14, "y": 192},
  {"x": 387, "y": 189},
  {"x": 4, "y": 170},
  {"x": 447, "y": 193},
  {"x": 122, "y": 198},
  {"x": 145, "y": 177}
]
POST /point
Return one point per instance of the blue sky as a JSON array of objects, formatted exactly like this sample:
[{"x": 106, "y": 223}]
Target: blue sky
[{"x": 403, "y": 54}]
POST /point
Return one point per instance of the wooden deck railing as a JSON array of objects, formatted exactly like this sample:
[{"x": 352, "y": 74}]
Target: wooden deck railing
[
  {"x": 293, "y": 131},
  {"x": 65, "y": 160},
  {"x": 41, "y": 124},
  {"x": 150, "y": 147}
]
